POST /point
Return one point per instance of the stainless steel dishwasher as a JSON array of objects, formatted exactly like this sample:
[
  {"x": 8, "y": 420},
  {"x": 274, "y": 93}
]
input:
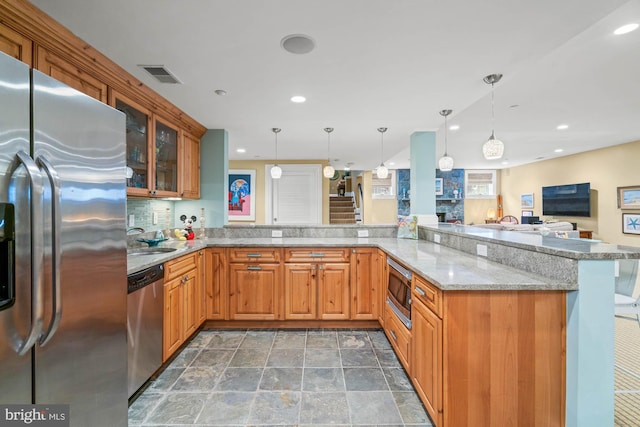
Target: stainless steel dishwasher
[{"x": 144, "y": 325}]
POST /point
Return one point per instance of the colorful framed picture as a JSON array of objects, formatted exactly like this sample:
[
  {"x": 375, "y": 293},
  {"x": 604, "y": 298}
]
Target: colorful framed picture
[
  {"x": 526, "y": 201},
  {"x": 439, "y": 187},
  {"x": 629, "y": 197},
  {"x": 242, "y": 204},
  {"x": 631, "y": 223}
]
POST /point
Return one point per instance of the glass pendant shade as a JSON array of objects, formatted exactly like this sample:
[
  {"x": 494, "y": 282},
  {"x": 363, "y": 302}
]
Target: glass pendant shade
[
  {"x": 328, "y": 171},
  {"x": 276, "y": 172},
  {"x": 493, "y": 149},
  {"x": 445, "y": 163},
  {"x": 381, "y": 171}
]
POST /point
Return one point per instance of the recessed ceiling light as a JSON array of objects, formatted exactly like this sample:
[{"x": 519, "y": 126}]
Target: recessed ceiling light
[
  {"x": 392, "y": 163},
  {"x": 626, "y": 29},
  {"x": 454, "y": 127},
  {"x": 562, "y": 127},
  {"x": 298, "y": 99},
  {"x": 505, "y": 162},
  {"x": 241, "y": 150},
  {"x": 220, "y": 92},
  {"x": 558, "y": 150}
]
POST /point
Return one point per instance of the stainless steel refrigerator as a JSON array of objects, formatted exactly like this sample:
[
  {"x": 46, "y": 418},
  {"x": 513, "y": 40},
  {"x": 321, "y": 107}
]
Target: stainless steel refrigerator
[{"x": 63, "y": 260}]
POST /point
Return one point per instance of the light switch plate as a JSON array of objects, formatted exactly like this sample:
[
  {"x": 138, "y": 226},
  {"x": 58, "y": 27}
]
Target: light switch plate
[
  {"x": 276, "y": 233},
  {"x": 481, "y": 250},
  {"x": 436, "y": 238},
  {"x": 154, "y": 217},
  {"x": 363, "y": 233},
  {"x": 132, "y": 220}
]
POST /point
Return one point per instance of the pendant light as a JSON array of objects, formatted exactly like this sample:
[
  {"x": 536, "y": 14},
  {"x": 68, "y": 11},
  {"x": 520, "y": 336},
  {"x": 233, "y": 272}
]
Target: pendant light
[
  {"x": 328, "y": 170},
  {"x": 276, "y": 171},
  {"x": 445, "y": 163},
  {"x": 493, "y": 148},
  {"x": 382, "y": 171}
]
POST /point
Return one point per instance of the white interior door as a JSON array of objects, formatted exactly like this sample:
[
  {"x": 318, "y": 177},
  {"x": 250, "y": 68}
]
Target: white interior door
[{"x": 295, "y": 198}]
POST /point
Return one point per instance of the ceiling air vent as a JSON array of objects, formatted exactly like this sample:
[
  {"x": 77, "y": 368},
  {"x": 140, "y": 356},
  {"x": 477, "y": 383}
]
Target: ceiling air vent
[{"x": 161, "y": 74}]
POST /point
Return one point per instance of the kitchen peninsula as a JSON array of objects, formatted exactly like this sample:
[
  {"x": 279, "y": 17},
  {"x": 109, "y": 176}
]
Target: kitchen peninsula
[{"x": 511, "y": 333}]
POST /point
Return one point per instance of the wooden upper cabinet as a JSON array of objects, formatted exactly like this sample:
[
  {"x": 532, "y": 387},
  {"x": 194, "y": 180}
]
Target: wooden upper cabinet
[
  {"x": 67, "y": 73},
  {"x": 16, "y": 45},
  {"x": 139, "y": 157},
  {"x": 190, "y": 167},
  {"x": 166, "y": 162}
]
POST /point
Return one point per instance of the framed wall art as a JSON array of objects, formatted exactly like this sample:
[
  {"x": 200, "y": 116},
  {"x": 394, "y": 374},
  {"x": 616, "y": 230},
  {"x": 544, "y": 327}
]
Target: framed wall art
[
  {"x": 526, "y": 201},
  {"x": 242, "y": 204},
  {"x": 631, "y": 223},
  {"x": 629, "y": 197},
  {"x": 439, "y": 187}
]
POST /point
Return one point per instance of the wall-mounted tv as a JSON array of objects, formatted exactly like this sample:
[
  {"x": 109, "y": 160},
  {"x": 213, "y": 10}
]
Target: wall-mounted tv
[{"x": 567, "y": 200}]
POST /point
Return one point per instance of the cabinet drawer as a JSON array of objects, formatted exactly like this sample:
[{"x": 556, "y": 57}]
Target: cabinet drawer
[
  {"x": 428, "y": 294},
  {"x": 254, "y": 255},
  {"x": 398, "y": 335},
  {"x": 316, "y": 254},
  {"x": 179, "y": 266}
]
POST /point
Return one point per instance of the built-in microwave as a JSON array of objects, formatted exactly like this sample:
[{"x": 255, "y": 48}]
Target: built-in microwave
[{"x": 399, "y": 291}]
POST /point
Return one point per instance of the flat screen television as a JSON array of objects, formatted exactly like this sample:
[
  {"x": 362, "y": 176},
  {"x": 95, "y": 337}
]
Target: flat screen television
[{"x": 567, "y": 200}]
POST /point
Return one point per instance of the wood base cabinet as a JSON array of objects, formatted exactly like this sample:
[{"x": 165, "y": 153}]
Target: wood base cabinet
[
  {"x": 493, "y": 358},
  {"x": 399, "y": 336},
  {"x": 216, "y": 285},
  {"x": 365, "y": 286},
  {"x": 182, "y": 292}
]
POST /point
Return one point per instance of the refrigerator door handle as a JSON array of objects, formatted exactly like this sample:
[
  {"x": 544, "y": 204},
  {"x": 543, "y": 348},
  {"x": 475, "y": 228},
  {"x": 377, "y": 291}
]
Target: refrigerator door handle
[
  {"x": 37, "y": 251},
  {"x": 56, "y": 223}
]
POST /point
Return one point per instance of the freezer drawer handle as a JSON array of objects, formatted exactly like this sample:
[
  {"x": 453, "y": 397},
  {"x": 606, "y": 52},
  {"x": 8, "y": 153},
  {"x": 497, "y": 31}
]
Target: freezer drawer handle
[
  {"x": 37, "y": 251},
  {"x": 56, "y": 223}
]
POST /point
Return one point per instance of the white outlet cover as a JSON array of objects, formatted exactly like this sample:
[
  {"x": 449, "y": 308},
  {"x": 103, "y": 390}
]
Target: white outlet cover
[
  {"x": 481, "y": 250},
  {"x": 155, "y": 218},
  {"x": 132, "y": 220},
  {"x": 276, "y": 233},
  {"x": 436, "y": 238},
  {"x": 363, "y": 233}
]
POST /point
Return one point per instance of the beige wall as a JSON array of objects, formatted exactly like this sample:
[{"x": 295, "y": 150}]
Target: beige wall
[
  {"x": 377, "y": 211},
  {"x": 606, "y": 169},
  {"x": 475, "y": 210},
  {"x": 259, "y": 166}
]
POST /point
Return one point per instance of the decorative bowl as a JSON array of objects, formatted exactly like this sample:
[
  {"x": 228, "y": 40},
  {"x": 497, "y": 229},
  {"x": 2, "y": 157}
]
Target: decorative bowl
[{"x": 152, "y": 242}]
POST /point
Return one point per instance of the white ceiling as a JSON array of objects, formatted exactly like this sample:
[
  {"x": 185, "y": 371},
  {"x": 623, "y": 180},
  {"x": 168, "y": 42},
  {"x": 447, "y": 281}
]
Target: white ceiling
[{"x": 392, "y": 63}]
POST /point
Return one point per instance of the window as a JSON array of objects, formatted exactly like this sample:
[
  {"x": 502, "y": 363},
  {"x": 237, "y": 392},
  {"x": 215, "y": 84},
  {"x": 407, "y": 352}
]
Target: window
[
  {"x": 383, "y": 188},
  {"x": 480, "y": 184}
]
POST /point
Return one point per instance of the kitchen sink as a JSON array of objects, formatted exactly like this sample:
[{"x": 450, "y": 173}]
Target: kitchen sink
[{"x": 149, "y": 251}]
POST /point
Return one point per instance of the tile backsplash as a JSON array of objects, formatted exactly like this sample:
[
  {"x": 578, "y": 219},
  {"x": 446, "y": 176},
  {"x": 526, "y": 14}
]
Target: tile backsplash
[{"x": 143, "y": 211}]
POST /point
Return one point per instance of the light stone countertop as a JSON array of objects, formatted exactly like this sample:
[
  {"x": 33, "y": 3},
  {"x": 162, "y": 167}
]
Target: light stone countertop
[{"x": 446, "y": 268}]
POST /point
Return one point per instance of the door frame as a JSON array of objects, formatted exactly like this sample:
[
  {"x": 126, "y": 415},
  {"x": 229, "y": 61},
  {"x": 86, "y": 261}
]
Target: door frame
[{"x": 269, "y": 187}]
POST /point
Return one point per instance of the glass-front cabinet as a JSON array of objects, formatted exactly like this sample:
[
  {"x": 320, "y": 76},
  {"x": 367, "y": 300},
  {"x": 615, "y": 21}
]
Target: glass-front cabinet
[
  {"x": 166, "y": 159},
  {"x": 138, "y": 157}
]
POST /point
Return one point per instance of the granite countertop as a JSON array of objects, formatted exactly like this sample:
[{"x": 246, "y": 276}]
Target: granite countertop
[
  {"x": 578, "y": 249},
  {"x": 446, "y": 268}
]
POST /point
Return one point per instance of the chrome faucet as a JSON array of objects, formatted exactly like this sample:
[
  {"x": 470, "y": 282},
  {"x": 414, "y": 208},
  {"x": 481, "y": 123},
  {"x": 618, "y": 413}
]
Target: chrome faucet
[{"x": 138, "y": 229}]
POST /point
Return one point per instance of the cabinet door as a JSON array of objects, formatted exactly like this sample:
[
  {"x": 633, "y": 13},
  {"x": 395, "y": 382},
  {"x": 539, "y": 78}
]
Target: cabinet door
[
  {"x": 172, "y": 329},
  {"x": 189, "y": 296},
  {"x": 215, "y": 274},
  {"x": 364, "y": 286},
  {"x": 383, "y": 277},
  {"x": 255, "y": 291},
  {"x": 139, "y": 157},
  {"x": 190, "y": 171},
  {"x": 69, "y": 74},
  {"x": 16, "y": 45},
  {"x": 426, "y": 364},
  {"x": 300, "y": 291},
  {"x": 166, "y": 165},
  {"x": 201, "y": 294},
  {"x": 333, "y": 291}
]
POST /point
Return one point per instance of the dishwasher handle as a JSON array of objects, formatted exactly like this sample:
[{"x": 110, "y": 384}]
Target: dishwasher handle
[{"x": 145, "y": 277}]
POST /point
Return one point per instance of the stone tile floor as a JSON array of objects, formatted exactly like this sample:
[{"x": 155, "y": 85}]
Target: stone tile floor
[{"x": 315, "y": 377}]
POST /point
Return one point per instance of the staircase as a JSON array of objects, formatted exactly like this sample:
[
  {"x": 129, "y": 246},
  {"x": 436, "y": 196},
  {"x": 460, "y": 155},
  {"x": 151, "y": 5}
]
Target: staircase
[{"x": 341, "y": 210}]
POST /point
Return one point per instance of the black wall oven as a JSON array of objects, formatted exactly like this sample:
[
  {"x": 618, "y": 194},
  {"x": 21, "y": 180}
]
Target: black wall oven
[{"x": 399, "y": 292}]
